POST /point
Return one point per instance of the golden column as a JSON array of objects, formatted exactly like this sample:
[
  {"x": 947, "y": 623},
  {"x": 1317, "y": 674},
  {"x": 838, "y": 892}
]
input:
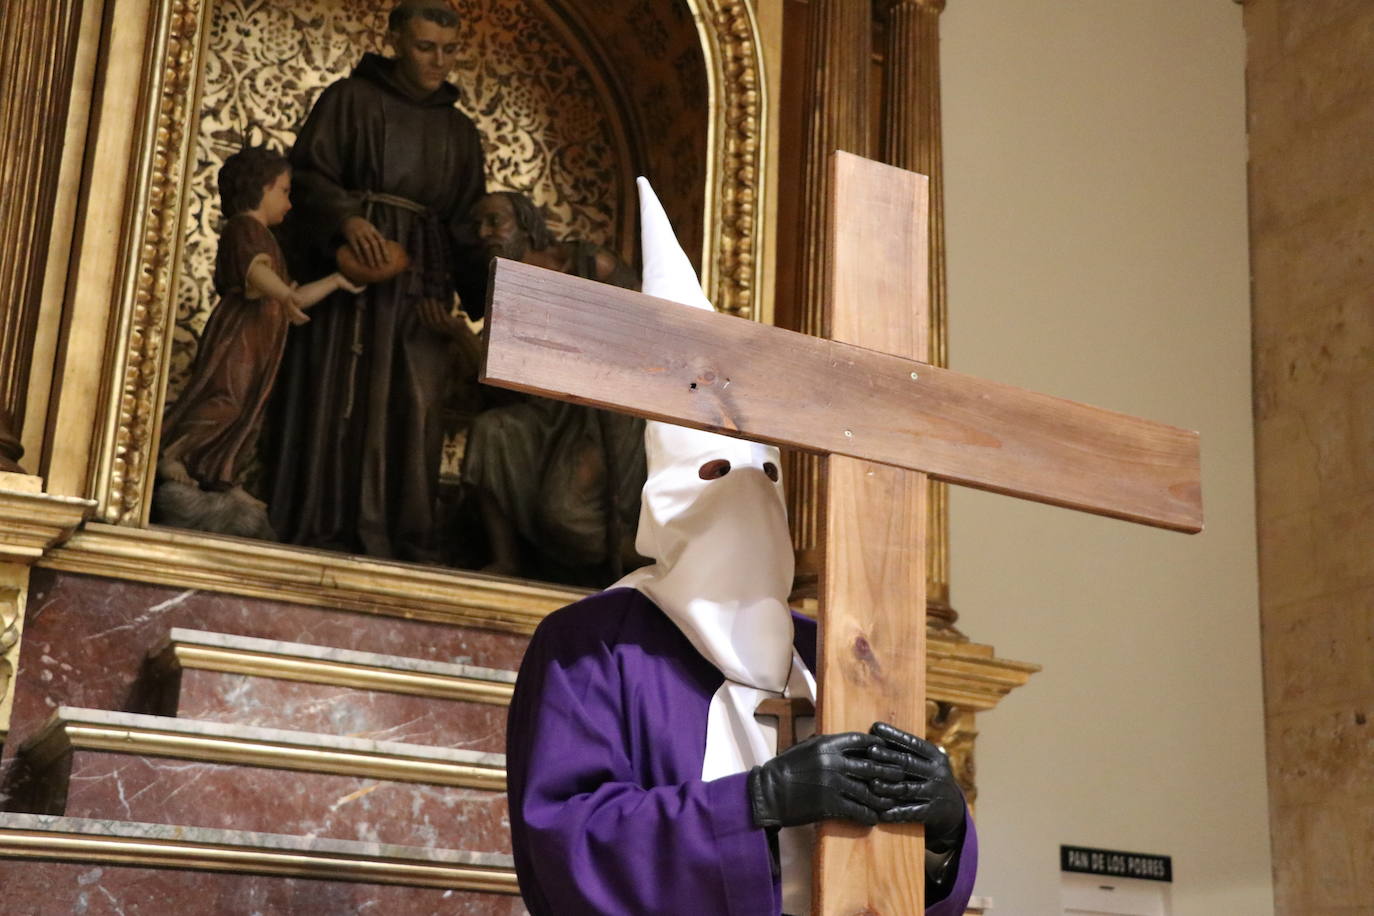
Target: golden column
[
  {"x": 37, "y": 57},
  {"x": 911, "y": 139},
  {"x": 839, "y": 47},
  {"x": 38, "y": 40}
]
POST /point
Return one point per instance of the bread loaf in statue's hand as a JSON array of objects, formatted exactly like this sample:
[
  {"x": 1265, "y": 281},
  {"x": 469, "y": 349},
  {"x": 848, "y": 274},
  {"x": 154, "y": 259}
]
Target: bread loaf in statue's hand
[{"x": 394, "y": 261}]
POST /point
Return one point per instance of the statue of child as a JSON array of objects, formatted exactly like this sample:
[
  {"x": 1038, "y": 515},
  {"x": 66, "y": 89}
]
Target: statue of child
[{"x": 213, "y": 427}]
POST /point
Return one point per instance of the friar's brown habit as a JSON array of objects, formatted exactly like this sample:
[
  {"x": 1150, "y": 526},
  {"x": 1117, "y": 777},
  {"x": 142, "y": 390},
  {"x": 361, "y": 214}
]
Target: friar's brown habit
[{"x": 356, "y": 433}]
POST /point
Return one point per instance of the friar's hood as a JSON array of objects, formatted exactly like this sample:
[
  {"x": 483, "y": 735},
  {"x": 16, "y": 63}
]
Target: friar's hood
[
  {"x": 382, "y": 71},
  {"x": 723, "y": 557}
]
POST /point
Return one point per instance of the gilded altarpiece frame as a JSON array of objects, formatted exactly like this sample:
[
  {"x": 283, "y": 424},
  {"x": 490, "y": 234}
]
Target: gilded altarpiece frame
[{"x": 136, "y": 200}]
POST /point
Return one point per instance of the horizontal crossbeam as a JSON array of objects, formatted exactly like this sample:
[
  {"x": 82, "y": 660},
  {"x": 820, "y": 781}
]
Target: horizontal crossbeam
[{"x": 553, "y": 334}]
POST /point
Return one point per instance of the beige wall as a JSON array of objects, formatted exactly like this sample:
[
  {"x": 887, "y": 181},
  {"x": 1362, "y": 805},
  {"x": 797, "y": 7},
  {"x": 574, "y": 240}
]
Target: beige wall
[
  {"x": 1098, "y": 250},
  {"x": 1311, "y": 94}
]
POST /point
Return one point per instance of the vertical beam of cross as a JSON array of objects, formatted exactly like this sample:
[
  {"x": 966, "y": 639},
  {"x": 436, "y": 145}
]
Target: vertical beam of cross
[{"x": 873, "y": 600}]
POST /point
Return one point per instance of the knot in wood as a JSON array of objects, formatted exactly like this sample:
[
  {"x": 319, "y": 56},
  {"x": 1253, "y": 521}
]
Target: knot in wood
[
  {"x": 704, "y": 372},
  {"x": 868, "y": 661}
]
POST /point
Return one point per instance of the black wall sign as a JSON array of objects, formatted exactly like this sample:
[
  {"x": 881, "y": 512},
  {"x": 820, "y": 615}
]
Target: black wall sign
[{"x": 1116, "y": 864}]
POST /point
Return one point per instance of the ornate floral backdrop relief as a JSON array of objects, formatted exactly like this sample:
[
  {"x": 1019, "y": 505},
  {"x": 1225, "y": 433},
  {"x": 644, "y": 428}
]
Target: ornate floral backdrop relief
[{"x": 545, "y": 126}]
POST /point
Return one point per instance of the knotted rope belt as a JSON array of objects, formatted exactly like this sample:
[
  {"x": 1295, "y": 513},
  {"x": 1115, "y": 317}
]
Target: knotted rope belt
[{"x": 370, "y": 201}]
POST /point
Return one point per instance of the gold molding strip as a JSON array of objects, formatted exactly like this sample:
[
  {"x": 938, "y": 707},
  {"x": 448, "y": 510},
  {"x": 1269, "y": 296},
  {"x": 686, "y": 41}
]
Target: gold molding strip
[
  {"x": 733, "y": 219},
  {"x": 126, "y": 733},
  {"x": 968, "y": 679},
  {"x": 187, "y": 854},
  {"x": 150, "y": 239},
  {"x": 969, "y": 675},
  {"x": 285, "y": 666},
  {"x": 259, "y": 569},
  {"x": 31, "y": 521}
]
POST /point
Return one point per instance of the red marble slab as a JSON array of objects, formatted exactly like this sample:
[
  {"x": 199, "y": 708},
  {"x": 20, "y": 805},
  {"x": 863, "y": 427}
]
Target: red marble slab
[
  {"x": 128, "y": 787},
  {"x": 382, "y": 716},
  {"x": 64, "y": 888},
  {"x": 85, "y": 639}
]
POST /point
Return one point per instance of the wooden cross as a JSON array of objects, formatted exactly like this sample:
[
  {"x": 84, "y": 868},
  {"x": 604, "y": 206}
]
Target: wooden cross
[
  {"x": 787, "y": 710},
  {"x": 885, "y": 419}
]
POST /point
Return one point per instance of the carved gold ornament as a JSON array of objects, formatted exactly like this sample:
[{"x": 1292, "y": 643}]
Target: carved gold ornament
[
  {"x": 147, "y": 274},
  {"x": 11, "y": 618}
]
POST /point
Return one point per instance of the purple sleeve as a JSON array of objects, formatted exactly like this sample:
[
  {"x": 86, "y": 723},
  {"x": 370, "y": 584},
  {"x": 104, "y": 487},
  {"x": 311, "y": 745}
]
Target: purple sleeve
[
  {"x": 589, "y": 835},
  {"x": 956, "y": 901}
]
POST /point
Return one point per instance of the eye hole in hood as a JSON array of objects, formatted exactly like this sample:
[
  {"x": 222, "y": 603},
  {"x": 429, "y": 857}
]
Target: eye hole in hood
[{"x": 713, "y": 470}]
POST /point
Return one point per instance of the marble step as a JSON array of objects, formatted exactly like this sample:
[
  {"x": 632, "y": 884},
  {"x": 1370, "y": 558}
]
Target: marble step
[
  {"x": 271, "y": 683},
  {"x": 133, "y": 767},
  {"x": 55, "y": 866}
]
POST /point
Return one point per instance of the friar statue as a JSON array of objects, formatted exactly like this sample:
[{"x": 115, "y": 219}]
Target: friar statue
[
  {"x": 357, "y": 427},
  {"x": 642, "y": 776},
  {"x": 557, "y": 484}
]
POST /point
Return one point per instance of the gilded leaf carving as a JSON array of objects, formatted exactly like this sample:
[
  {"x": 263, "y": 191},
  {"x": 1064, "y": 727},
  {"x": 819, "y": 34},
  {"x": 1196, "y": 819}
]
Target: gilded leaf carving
[{"x": 11, "y": 607}]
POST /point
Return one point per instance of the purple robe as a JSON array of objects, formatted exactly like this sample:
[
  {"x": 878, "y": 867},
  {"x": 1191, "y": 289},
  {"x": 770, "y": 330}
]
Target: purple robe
[{"x": 609, "y": 813}]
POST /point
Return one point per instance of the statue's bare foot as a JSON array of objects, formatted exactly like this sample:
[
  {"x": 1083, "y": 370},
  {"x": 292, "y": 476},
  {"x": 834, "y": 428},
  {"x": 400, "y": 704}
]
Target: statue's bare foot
[
  {"x": 243, "y": 496},
  {"x": 173, "y": 469}
]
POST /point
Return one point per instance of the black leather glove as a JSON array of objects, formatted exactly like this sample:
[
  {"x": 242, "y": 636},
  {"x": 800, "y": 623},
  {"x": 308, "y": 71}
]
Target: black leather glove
[
  {"x": 822, "y": 777},
  {"x": 926, "y": 793}
]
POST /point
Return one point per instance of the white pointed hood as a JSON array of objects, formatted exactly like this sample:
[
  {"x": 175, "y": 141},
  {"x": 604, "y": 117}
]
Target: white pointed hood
[{"x": 723, "y": 556}]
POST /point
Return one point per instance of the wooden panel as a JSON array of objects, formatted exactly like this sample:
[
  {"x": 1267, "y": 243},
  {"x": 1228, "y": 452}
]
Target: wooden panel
[
  {"x": 872, "y": 589},
  {"x": 583, "y": 341}
]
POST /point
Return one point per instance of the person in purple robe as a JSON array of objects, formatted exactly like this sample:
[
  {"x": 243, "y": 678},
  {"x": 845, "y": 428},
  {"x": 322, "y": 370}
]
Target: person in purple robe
[
  {"x": 641, "y": 779},
  {"x": 609, "y": 813}
]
